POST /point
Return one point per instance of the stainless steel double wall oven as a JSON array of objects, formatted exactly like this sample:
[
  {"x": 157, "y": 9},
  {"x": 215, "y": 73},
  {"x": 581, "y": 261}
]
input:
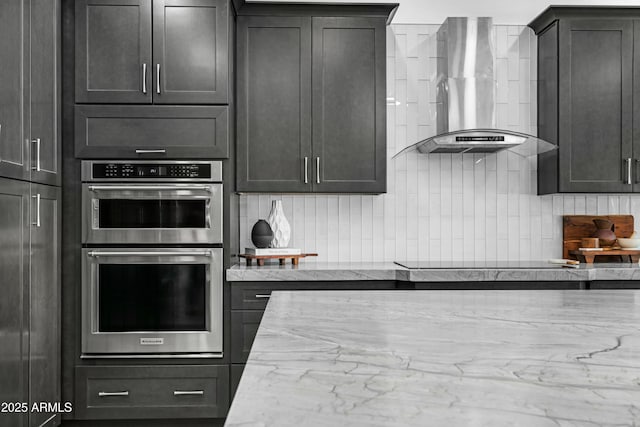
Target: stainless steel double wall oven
[{"x": 152, "y": 258}]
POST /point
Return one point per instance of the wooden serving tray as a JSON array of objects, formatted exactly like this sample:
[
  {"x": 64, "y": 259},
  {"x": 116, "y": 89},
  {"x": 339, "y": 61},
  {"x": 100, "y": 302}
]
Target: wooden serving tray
[
  {"x": 577, "y": 227},
  {"x": 295, "y": 259},
  {"x": 626, "y": 255}
]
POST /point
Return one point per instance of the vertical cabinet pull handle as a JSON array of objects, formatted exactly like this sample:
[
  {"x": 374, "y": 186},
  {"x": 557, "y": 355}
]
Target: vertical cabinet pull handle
[
  {"x": 629, "y": 171},
  {"x": 37, "y": 223},
  {"x": 144, "y": 78},
  {"x": 37, "y": 166},
  {"x": 317, "y": 170},
  {"x": 158, "y": 78},
  {"x": 306, "y": 170}
]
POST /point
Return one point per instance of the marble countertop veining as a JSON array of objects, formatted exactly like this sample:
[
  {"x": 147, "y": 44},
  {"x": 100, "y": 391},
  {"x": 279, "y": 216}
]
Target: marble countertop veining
[
  {"x": 444, "y": 358},
  {"x": 435, "y": 272}
]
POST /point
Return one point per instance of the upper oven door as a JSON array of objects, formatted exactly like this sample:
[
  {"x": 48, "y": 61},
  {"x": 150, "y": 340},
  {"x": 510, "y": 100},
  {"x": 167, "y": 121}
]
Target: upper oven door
[{"x": 152, "y": 213}]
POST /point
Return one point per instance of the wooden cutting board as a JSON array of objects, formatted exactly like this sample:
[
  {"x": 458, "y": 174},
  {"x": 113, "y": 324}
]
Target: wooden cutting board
[{"x": 577, "y": 227}]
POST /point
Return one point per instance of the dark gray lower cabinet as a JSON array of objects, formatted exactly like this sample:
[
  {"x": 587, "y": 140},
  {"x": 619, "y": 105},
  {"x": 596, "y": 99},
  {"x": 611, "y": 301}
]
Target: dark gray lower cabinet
[
  {"x": 486, "y": 286},
  {"x": 151, "y": 392},
  {"x": 127, "y": 131},
  {"x": 236, "y": 375},
  {"x": 244, "y": 326},
  {"x": 30, "y": 306}
]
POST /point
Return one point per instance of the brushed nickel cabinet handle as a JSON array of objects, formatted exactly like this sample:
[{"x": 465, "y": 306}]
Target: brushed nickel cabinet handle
[
  {"x": 160, "y": 151},
  {"x": 306, "y": 170},
  {"x": 158, "y": 78},
  {"x": 629, "y": 171},
  {"x": 37, "y": 223},
  {"x": 112, "y": 393},
  {"x": 37, "y": 166},
  {"x": 144, "y": 78},
  {"x": 263, "y": 296},
  {"x": 317, "y": 170},
  {"x": 188, "y": 393}
]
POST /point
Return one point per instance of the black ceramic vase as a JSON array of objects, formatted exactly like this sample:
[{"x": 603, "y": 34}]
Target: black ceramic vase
[{"x": 261, "y": 234}]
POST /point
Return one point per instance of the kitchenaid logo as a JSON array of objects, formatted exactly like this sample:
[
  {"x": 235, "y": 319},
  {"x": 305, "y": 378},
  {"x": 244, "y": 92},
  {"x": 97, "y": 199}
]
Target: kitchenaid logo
[{"x": 151, "y": 341}]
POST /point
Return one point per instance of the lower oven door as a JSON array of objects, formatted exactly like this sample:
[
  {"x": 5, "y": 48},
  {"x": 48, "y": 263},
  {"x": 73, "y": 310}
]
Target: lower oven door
[
  {"x": 151, "y": 301},
  {"x": 152, "y": 213}
]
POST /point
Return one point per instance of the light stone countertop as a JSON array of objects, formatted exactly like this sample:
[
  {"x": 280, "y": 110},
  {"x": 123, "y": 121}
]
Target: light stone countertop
[
  {"x": 444, "y": 358},
  {"x": 434, "y": 272}
]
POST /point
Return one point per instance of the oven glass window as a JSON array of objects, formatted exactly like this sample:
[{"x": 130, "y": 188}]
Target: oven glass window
[
  {"x": 152, "y": 297},
  {"x": 132, "y": 213}
]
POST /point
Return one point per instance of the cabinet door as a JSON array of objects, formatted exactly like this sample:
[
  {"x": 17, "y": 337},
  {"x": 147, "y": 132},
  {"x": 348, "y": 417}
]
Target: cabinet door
[
  {"x": 113, "y": 51},
  {"x": 596, "y": 101},
  {"x": 45, "y": 91},
  {"x": 14, "y": 66},
  {"x": 44, "y": 295},
  {"x": 151, "y": 131},
  {"x": 636, "y": 107},
  {"x": 274, "y": 104},
  {"x": 349, "y": 107},
  {"x": 190, "y": 51},
  {"x": 14, "y": 270}
]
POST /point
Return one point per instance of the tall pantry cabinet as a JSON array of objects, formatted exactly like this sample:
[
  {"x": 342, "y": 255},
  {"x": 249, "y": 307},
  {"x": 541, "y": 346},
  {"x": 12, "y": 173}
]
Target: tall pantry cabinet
[{"x": 29, "y": 208}]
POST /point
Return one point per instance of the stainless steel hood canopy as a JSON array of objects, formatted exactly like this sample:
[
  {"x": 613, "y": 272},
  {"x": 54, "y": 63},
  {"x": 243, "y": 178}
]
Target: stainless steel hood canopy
[{"x": 465, "y": 95}]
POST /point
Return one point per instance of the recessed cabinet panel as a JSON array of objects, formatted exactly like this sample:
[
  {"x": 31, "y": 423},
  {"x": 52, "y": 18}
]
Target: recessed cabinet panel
[
  {"x": 45, "y": 92},
  {"x": 274, "y": 104},
  {"x": 14, "y": 67},
  {"x": 110, "y": 131},
  {"x": 14, "y": 270},
  {"x": 596, "y": 126},
  {"x": 190, "y": 51},
  {"x": 113, "y": 51},
  {"x": 349, "y": 110}
]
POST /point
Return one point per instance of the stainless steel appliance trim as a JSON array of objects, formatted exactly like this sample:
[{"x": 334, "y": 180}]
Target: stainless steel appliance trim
[
  {"x": 211, "y": 233},
  {"x": 37, "y": 166},
  {"x": 133, "y": 187},
  {"x": 128, "y": 343},
  {"x": 112, "y": 393},
  {"x": 37, "y": 223},
  {"x": 188, "y": 392},
  {"x": 158, "y": 78},
  {"x": 149, "y": 253},
  {"x": 155, "y": 356},
  {"x": 216, "y": 170},
  {"x": 144, "y": 78},
  {"x": 317, "y": 170},
  {"x": 157, "y": 151}
]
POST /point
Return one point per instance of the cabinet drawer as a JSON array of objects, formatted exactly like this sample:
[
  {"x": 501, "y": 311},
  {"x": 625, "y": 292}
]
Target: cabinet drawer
[
  {"x": 120, "y": 131},
  {"x": 244, "y": 326},
  {"x": 255, "y": 295},
  {"x": 124, "y": 392}
]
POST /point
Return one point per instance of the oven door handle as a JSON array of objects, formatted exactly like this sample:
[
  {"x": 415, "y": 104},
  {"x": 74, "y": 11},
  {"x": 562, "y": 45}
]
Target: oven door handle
[
  {"x": 149, "y": 187},
  {"x": 157, "y": 253}
]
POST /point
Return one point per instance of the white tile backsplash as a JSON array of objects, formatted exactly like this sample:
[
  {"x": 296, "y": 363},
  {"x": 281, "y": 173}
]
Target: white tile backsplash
[{"x": 442, "y": 207}]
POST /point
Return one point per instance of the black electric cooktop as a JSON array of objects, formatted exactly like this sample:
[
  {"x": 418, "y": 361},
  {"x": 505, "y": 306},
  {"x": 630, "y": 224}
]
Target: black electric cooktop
[{"x": 426, "y": 265}]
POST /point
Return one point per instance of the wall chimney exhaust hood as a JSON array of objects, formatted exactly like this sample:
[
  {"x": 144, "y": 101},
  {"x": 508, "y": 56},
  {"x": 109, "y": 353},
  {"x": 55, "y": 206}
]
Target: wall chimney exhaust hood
[{"x": 465, "y": 96}]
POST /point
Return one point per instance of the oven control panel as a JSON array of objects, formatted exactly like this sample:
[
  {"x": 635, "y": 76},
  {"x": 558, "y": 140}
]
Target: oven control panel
[{"x": 151, "y": 171}]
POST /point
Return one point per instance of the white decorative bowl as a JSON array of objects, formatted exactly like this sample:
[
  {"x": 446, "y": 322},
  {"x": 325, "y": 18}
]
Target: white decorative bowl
[{"x": 628, "y": 243}]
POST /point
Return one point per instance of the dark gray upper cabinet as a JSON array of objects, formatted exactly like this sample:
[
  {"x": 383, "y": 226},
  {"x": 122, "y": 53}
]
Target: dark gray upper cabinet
[
  {"x": 311, "y": 99},
  {"x": 586, "y": 99},
  {"x": 190, "y": 43},
  {"x": 182, "y": 58},
  {"x": 274, "y": 104},
  {"x": 113, "y": 51},
  {"x": 14, "y": 84},
  {"x": 30, "y": 90},
  {"x": 349, "y": 105},
  {"x": 45, "y": 95}
]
